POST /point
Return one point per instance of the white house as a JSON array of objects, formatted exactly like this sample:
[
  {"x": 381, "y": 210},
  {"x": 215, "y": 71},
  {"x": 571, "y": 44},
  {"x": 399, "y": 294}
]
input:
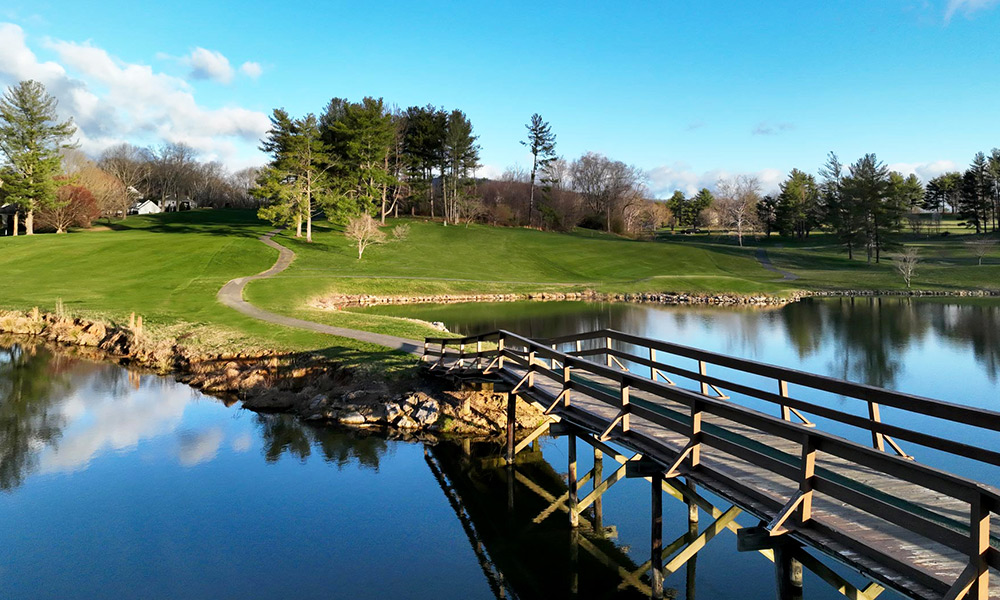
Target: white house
[{"x": 144, "y": 207}]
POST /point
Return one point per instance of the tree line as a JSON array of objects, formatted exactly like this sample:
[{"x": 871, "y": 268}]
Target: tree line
[
  {"x": 863, "y": 204},
  {"x": 46, "y": 181}
]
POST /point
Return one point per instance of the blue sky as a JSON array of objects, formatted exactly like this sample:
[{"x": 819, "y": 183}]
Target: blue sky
[{"x": 688, "y": 91}]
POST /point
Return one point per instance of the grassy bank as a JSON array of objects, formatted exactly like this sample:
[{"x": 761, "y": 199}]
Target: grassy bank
[
  {"x": 437, "y": 260},
  {"x": 168, "y": 268}
]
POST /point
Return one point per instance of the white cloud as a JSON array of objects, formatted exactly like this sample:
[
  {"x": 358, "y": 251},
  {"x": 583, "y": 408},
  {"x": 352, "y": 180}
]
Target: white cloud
[
  {"x": 967, "y": 7},
  {"x": 767, "y": 128},
  {"x": 97, "y": 423},
  {"x": 198, "y": 447},
  {"x": 489, "y": 172},
  {"x": 209, "y": 64},
  {"x": 926, "y": 170},
  {"x": 251, "y": 69},
  {"x": 113, "y": 101},
  {"x": 665, "y": 179}
]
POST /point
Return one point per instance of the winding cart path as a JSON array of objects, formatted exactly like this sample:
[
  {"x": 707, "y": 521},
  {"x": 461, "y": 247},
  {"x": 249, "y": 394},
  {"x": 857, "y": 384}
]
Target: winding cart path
[{"x": 231, "y": 295}]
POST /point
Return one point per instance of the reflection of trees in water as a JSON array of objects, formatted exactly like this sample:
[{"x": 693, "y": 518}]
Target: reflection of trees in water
[
  {"x": 287, "y": 434},
  {"x": 31, "y": 381},
  {"x": 872, "y": 334},
  {"x": 976, "y": 326}
]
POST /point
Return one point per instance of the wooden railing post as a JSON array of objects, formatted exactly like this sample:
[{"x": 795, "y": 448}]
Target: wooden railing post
[
  {"x": 783, "y": 390},
  {"x": 461, "y": 353},
  {"x": 979, "y": 538},
  {"x": 703, "y": 371},
  {"x": 695, "y": 436},
  {"x": 625, "y": 406},
  {"x": 479, "y": 351},
  {"x": 607, "y": 353},
  {"x": 878, "y": 440},
  {"x": 566, "y": 384},
  {"x": 423, "y": 357},
  {"x": 500, "y": 348},
  {"x": 531, "y": 368},
  {"x": 808, "y": 471}
]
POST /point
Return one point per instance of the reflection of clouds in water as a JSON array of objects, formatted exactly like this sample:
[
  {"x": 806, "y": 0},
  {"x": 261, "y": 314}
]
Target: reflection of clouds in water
[
  {"x": 97, "y": 422},
  {"x": 242, "y": 443},
  {"x": 199, "y": 446}
]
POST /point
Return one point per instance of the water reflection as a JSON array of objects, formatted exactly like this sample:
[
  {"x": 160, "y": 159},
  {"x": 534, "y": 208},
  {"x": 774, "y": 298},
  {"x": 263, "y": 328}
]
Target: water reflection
[
  {"x": 872, "y": 340},
  {"x": 285, "y": 434},
  {"x": 30, "y": 384},
  {"x": 522, "y": 539}
]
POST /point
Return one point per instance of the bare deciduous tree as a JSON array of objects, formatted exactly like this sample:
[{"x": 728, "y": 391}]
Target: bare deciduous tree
[
  {"x": 906, "y": 263},
  {"x": 364, "y": 230},
  {"x": 981, "y": 247},
  {"x": 736, "y": 203},
  {"x": 131, "y": 166}
]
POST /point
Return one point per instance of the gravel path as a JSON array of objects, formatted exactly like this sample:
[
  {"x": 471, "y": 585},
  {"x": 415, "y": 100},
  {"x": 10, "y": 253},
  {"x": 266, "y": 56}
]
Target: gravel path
[
  {"x": 765, "y": 261},
  {"x": 231, "y": 295}
]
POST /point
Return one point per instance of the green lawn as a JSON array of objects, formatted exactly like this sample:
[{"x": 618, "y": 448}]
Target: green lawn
[
  {"x": 435, "y": 259},
  {"x": 946, "y": 264},
  {"x": 169, "y": 267},
  {"x": 166, "y": 268}
]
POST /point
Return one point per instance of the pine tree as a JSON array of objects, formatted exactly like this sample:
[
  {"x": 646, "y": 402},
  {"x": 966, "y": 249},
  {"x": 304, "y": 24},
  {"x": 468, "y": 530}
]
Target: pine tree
[
  {"x": 842, "y": 212},
  {"x": 797, "y": 211},
  {"x": 31, "y": 136},
  {"x": 976, "y": 197},
  {"x": 462, "y": 157},
  {"x": 541, "y": 143}
]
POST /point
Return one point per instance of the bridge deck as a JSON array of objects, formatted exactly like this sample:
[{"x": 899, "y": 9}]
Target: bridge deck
[{"x": 876, "y": 516}]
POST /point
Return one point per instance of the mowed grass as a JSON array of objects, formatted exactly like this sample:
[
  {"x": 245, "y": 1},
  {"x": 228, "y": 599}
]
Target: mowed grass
[
  {"x": 946, "y": 264},
  {"x": 166, "y": 268},
  {"x": 437, "y": 259}
]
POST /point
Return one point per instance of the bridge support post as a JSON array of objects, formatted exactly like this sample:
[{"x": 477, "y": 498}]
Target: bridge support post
[
  {"x": 598, "y": 503},
  {"x": 511, "y": 425},
  {"x": 788, "y": 573},
  {"x": 656, "y": 536},
  {"x": 573, "y": 484},
  {"x": 692, "y": 564}
]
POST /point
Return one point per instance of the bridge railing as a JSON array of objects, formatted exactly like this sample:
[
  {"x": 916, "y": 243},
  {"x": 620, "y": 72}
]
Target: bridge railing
[{"x": 575, "y": 372}]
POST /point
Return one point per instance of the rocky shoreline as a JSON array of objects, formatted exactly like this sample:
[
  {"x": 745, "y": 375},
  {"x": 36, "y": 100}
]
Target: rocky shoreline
[
  {"x": 337, "y": 302},
  {"x": 307, "y": 385},
  {"x": 340, "y": 301}
]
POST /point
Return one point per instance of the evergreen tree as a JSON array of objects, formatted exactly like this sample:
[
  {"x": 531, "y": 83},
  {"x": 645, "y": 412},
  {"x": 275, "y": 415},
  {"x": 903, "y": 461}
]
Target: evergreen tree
[
  {"x": 868, "y": 191},
  {"x": 296, "y": 182},
  {"x": 677, "y": 204},
  {"x": 842, "y": 213},
  {"x": 797, "y": 211},
  {"x": 541, "y": 143},
  {"x": 423, "y": 148},
  {"x": 767, "y": 214},
  {"x": 462, "y": 157},
  {"x": 31, "y": 136},
  {"x": 976, "y": 198}
]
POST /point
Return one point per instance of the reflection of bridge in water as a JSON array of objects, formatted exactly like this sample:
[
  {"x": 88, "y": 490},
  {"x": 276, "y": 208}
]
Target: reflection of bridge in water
[
  {"x": 510, "y": 515},
  {"x": 923, "y": 532}
]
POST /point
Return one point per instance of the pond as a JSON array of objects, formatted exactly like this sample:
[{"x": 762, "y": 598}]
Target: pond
[
  {"x": 942, "y": 348},
  {"x": 119, "y": 484}
]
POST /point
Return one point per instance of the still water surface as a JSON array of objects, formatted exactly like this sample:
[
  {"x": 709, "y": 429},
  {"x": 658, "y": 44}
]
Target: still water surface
[{"x": 119, "y": 485}]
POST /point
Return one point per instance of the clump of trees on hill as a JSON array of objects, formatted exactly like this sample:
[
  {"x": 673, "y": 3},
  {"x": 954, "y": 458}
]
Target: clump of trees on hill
[
  {"x": 369, "y": 158},
  {"x": 46, "y": 181}
]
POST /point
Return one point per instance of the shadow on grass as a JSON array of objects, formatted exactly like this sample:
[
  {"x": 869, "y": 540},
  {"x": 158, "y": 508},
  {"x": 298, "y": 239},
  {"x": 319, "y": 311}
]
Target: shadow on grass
[{"x": 222, "y": 222}]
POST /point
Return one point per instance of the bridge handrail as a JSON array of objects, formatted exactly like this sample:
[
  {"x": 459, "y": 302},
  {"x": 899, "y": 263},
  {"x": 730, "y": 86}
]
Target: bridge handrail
[{"x": 982, "y": 499}]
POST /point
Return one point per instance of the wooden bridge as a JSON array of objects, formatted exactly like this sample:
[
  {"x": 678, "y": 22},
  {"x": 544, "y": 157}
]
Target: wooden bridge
[{"x": 920, "y": 531}]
